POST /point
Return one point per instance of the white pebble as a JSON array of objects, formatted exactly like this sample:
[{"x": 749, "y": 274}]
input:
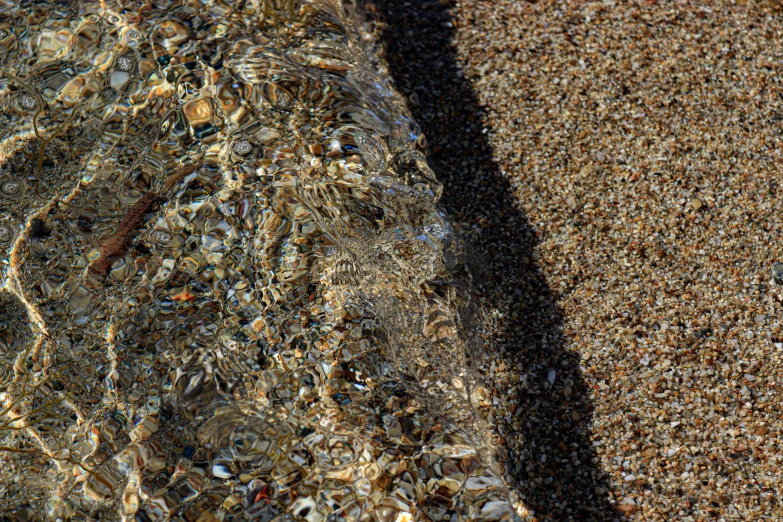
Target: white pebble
[{"x": 220, "y": 471}]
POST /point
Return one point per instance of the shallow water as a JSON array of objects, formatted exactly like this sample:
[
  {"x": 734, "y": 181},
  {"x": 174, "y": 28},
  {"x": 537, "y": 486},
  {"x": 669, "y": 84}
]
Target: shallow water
[{"x": 228, "y": 292}]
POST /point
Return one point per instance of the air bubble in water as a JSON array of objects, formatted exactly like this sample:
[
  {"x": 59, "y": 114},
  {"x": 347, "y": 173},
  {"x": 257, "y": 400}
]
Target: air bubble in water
[
  {"x": 161, "y": 237},
  {"x": 133, "y": 33},
  {"x": 10, "y": 187},
  {"x": 284, "y": 101},
  {"x": 28, "y": 102},
  {"x": 6, "y": 234},
  {"x": 124, "y": 63},
  {"x": 242, "y": 147}
]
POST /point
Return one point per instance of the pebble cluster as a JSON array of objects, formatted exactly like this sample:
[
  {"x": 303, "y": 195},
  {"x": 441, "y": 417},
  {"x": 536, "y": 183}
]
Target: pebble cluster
[
  {"x": 227, "y": 291},
  {"x": 617, "y": 169}
]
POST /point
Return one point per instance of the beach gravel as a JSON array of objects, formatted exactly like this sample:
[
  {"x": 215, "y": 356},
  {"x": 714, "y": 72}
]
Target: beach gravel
[{"x": 616, "y": 168}]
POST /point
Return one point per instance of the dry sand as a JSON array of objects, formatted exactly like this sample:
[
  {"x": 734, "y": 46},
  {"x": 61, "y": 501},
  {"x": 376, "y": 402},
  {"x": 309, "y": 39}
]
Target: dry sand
[{"x": 616, "y": 167}]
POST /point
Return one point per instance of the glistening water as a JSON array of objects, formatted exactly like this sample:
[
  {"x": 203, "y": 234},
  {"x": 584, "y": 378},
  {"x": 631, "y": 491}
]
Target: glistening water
[{"x": 228, "y": 292}]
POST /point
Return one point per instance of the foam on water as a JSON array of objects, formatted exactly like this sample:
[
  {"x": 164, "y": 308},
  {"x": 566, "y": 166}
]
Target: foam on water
[{"x": 228, "y": 292}]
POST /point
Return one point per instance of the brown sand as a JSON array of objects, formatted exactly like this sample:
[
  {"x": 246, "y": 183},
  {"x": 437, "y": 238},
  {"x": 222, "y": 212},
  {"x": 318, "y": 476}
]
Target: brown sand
[{"x": 616, "y": 167}]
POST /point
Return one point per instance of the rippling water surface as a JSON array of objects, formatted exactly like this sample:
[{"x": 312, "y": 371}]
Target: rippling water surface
[{"x": 227, "y": 290}]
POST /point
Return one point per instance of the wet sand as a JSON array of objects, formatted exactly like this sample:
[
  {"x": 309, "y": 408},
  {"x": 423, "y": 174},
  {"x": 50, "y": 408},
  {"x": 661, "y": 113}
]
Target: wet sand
[{"x": 615, "y": 167}]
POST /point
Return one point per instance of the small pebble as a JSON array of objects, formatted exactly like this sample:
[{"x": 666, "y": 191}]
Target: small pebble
[
  {"x": 777, "y": 272},
  {"x": 221, "y": 471}
]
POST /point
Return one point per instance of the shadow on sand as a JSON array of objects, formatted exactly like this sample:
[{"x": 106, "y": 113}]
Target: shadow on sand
[{"x": 551, "y": 457}]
